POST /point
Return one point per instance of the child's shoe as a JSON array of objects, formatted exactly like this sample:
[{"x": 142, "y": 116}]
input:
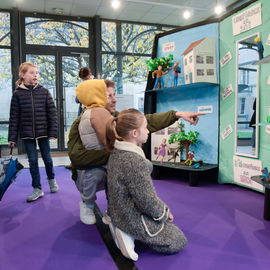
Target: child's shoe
[
  {"x": 107, "y": 220},
  {"x": 36, "y": 193},
  {"x": 87, "y": 215},
  {"x": 53, "y": 185},
  {"x": 126, "y": 244}
]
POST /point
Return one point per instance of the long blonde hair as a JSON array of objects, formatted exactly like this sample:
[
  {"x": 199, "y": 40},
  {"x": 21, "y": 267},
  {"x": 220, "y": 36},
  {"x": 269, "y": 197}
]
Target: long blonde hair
[
  {"x": 119, "y": 128},
  {"x": 23, "y": 69}
]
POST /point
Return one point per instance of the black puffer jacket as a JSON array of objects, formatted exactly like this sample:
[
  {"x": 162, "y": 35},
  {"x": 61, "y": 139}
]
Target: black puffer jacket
[{"x": 33, "y": 112}]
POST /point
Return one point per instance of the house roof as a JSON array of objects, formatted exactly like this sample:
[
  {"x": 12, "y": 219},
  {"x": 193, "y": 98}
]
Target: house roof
[{"x": 192, "y": 46}]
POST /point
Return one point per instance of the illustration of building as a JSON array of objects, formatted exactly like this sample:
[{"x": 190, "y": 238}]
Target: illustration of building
[{"x": 200, "y": 61}]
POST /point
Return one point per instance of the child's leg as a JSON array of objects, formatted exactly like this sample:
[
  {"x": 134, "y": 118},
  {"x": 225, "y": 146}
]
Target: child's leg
[
  {"x": 44, "y": 146},
  {"x": 88, "y": 183},
  {"x": 32, "y": 154},
  {"x": 93, "y": 181},
  {"x": 170, "y": 240}
]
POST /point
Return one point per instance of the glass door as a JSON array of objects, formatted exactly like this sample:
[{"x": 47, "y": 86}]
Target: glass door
[{"x": 70, "y": 79}]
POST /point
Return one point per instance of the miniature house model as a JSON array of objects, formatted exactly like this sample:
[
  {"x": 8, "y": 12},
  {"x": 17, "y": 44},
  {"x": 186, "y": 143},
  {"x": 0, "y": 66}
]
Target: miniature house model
[{"x": 200, "y": 61}]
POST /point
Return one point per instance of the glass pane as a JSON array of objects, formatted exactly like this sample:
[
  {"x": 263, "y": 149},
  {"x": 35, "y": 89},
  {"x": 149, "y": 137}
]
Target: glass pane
[
  {"x": 108, "y": 34},
  {"x": 3, "y": 134},
  {"x": 4, "y": 29},
  {"x": 138, "y": 38},
  {"x": 71, "y": 66},
  {"x": 5, "y": 84},
  {"x": 109, "y": 67},
  {"x": 47, "y": 77},
  {"x": 40, "y": 31},
  {"x": 135, "y": 73}
]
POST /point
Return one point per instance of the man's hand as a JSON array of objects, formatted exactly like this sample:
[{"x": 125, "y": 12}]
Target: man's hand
[{"x": 191, "y": 117}]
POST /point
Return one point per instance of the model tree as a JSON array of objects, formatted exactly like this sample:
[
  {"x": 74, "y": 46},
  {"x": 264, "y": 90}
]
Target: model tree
[
  {"x": 160, "y": 61},
  {"x": 184, "y": 140}
]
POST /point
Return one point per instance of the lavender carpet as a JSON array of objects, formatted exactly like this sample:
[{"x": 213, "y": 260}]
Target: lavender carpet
[{"x": 223, "y": 223}]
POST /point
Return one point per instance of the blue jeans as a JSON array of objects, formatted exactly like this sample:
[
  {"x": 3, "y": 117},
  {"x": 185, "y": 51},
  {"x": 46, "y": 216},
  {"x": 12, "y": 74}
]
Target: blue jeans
[
  {"x": 161, "y": 82},
  {"x": 175, "y": 80},
  {"x": 32, "y": 154},
  {"x": 89, "y": 182}
]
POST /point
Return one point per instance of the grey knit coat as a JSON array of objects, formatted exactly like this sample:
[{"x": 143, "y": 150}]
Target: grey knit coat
[{"x": 133, "y": 204}]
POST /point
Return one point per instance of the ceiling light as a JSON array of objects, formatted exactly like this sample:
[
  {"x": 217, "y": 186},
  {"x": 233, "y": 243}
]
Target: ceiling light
[
  {"x": 115, "y": 4},
  {"x": 218, "y": 9},
  {"x": 186, "y": 14}
]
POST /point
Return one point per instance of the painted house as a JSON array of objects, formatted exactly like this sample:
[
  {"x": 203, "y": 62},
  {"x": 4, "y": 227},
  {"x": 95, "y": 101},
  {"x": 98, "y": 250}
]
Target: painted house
[{"x": 200, "y": 61}]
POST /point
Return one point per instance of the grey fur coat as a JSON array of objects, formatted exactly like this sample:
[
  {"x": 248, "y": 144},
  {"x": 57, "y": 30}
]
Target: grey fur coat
[{"x": 133, "y": 204}]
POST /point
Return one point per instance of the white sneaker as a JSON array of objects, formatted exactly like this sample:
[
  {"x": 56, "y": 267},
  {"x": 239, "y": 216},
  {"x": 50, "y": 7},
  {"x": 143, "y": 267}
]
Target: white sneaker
[
  {"x": 126, "y": 243},
  {"x": 87, "y": 215},
  {"x": 107, "y": 220}
]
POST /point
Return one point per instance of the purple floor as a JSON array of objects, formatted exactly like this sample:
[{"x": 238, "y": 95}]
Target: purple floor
[{"x": 223, "y": 223}]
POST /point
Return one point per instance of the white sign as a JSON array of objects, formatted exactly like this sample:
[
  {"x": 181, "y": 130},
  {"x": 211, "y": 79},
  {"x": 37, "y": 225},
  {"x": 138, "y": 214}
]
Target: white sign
[
  {"x": 247, "y": 19},
  {"x": 227, "y": 91},
  {"x": 268, "y": 40},
  {"x": 205, "y": 109},
  {"x": 267, "y": 129},
  {"x": 225, "y": 59},
  {"x": 226, "y": 132},
  {"x": 244, "y": 168},
  {"x": 168, "y": 47}
]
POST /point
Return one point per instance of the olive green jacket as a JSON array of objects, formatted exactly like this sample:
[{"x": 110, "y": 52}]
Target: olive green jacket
[{"x": 82, "y": 158}]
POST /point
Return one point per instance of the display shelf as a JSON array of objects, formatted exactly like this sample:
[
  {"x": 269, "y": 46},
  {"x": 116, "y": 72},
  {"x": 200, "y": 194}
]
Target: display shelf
[
  {"x": 192, "y": 172},
  {"x": 184, "y": 87}
]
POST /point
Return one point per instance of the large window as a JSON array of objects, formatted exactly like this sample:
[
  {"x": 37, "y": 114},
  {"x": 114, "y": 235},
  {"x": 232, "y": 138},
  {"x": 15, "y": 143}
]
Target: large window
[
  {"x": 125, "y": 49},
  {"x": 5, "y": 75}
]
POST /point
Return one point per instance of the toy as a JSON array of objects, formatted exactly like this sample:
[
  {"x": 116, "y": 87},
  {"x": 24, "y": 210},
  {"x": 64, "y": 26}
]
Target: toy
[
  {"x": 260, "y": 47},
  {"x": 177, "y": 70},
  {"x": 162, "y": 150},
  {"x": 159, "y": 72},
  {"x": 190, "y": 159},
  {"x": 265, "y": 174},
  {"x": 175, "y": 155},
  {"x": 184, "y": 140}
]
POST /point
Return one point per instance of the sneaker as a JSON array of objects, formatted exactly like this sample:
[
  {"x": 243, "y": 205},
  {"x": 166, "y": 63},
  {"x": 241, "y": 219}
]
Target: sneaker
[
  {"x": 107, "y": 220},
  {"x": 126, "y": 243},
  {"x": 53, "y": 185},
  {"x": 36, "y": 193},
  {"x": 87, "y": 215}
]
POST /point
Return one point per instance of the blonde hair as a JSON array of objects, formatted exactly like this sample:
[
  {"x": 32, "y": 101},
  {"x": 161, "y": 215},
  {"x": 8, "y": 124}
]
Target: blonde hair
[
  {"x": 119, "y": 128},
  {"x": 22, "y": 70}
]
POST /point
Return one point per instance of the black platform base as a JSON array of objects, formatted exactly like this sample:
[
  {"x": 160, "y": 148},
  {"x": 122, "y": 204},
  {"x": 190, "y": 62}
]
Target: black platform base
[{"x": 194, "y": 175}]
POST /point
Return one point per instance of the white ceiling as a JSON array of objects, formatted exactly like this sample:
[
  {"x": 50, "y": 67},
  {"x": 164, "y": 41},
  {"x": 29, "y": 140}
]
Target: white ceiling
[{"x": 167, "y": 12}]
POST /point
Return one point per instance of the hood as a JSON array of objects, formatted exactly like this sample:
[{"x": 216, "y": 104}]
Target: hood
[{"x": 92, "y": 93}]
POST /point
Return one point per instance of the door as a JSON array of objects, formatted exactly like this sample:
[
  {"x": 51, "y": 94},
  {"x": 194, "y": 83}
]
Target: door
[{"x": 59, "y": 74}]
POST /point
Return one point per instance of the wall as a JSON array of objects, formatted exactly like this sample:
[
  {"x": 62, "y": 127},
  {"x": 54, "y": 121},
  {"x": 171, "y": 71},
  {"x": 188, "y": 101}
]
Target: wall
[{"x": 227, "y": 106}]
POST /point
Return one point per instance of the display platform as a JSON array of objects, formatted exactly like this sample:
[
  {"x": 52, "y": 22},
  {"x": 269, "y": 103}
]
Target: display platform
[
  {"x": 193, "y": 174},
  {"x": 259, "y": 179}
]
